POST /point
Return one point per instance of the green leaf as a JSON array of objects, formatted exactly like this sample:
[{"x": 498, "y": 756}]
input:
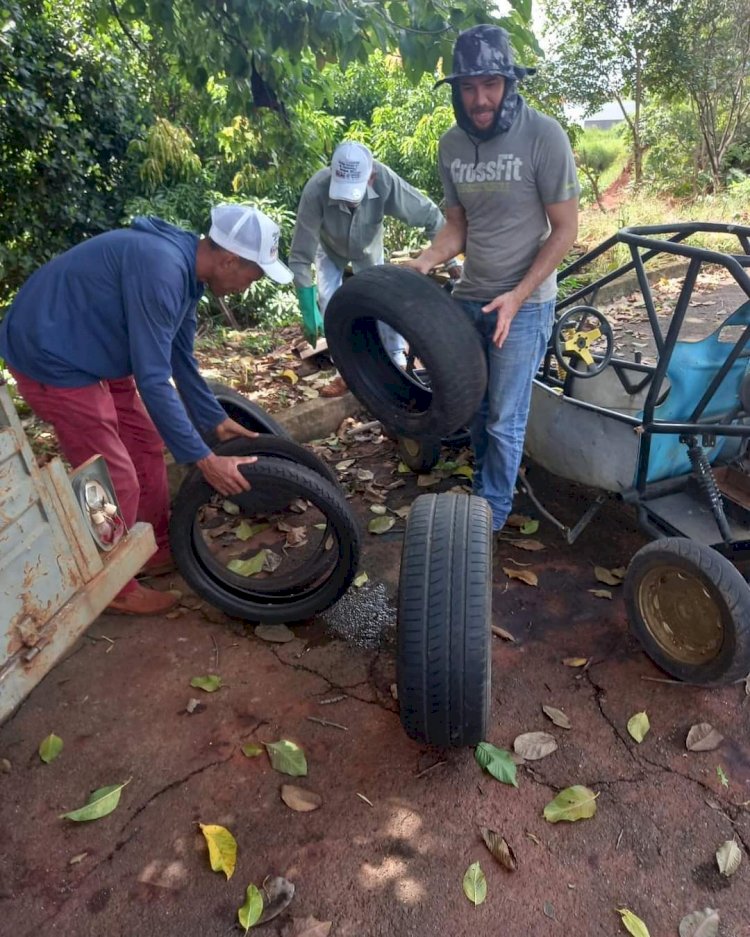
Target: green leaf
[
  {"x": 248, "y": 567},
  {"x": 466, "y": 471},
  {"x": 574, "y": 803},
  {"x": 638, "y": 726},
  {"x": 722, "y": 776},
  {"x": 251, "y": 750},
  {"x": 101, "y": 803},
  {"x": 222, "y": 848},
  {"x": 403, "y": 469},
  {"x": 530, "y": 527},
  {"x": 475, "y": 884},
  {"x": 497, "y": 762},
  {"x": 229, "y": 507},
  {"x": 632, "y": 923},
  {"x": 251, "y": 911},
  {"x": 246, "y": 531},
  {"x": 287, "y": 757},
  {"x": 50, "y": 748},
  {"x": 379, "y": 525},
  {"x": 209, "y": 683}
]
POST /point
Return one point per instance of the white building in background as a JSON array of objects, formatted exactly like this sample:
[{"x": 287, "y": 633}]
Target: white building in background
[{"x": 609, "y": 116}]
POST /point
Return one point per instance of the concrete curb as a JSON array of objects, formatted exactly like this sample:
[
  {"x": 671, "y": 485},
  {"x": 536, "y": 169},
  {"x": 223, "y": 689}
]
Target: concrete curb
[{"x": 629, "y": 282}]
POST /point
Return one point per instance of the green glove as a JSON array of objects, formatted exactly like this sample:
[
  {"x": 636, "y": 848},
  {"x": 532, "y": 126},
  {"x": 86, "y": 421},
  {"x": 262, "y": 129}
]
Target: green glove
[{"x": 312, "y": 320}]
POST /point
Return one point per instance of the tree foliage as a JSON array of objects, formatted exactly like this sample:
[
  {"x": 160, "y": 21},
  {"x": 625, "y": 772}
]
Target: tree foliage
[
  {"x": 703, "y": 57},
  {"x": 70, "y": 108},
  {"x": 272, "y": 51}
]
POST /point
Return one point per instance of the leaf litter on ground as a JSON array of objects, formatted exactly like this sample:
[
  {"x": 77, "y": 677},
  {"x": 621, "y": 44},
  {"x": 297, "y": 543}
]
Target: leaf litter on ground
[
  {"x": 50, "y": 748},
  {"x": 557, "y": 716},
  {"x": 632, "y": 923},
  {"x": 500, "y": 849},
  {"x": 475, "y": 884},
  {"x": 250, "y": 912},
  {"x": 638, "y": 726},
  {"x": 532, "y": 746},
  {"x": 573, "y": 803},
  {"x": 702, "y": 737},
  {"x": 299, "y": 799},
  {"x": 287, "y": 757},
  {"x": 496, "y": 761},
  {"x": 100, "y": 804},
  {"x": 209, "y": 683},
  {"x": 728, "y": 858},
  {"x": 527, "y": 576},
  {"x": 222, "y": 848},
  {"x": 703, "y": 923}
]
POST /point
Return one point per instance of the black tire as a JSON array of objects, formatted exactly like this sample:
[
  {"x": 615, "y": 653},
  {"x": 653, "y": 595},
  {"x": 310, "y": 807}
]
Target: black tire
[
  {"x": 419, "y": 454},
  {"x": 287, "y": 600},
  {"x": 690, "y": 609},
  {"x": 439, "y": 334},
  {"x": 246, "y": 412},
  {"x": 444, "y": 617}
]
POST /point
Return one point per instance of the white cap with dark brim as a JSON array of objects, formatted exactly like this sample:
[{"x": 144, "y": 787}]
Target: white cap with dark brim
[{"x": 247, "y": 232}]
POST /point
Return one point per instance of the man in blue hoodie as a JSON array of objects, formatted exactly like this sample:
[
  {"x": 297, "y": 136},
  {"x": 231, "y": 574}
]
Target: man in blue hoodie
[{"x": 94, "y": 338}]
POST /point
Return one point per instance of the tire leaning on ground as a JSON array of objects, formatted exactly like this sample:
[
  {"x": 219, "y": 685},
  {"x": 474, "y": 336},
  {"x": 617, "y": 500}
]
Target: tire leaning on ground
[
  {"x": 690, "y": 609},
  {"x": 444, "y": 616},
  {"x": 438, "y": 333},
  {"x": 246, "y": 412},
  {"x": 275, "y": 482}
]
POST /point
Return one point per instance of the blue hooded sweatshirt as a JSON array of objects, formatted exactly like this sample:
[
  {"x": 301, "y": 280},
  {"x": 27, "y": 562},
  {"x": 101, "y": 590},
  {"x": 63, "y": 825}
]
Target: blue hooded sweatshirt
[{"x": 122, "y": 303}]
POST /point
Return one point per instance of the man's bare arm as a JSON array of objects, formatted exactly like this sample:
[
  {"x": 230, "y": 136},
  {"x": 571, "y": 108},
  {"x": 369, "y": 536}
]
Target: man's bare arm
[{"x": 449, "y": 241}]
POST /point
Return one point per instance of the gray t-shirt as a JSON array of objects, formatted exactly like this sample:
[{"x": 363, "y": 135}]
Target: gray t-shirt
[{"x": 503, "y": 185}]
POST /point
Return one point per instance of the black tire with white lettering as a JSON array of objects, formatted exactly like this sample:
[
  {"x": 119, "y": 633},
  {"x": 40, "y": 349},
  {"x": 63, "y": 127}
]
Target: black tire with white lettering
[
  {"x": 439, "y": 334},
  {"x": 444, "y": 617}
]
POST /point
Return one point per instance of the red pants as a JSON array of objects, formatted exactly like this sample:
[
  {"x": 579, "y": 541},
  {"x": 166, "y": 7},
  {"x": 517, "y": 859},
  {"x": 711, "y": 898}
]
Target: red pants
[{"x": 109, "y": 419}]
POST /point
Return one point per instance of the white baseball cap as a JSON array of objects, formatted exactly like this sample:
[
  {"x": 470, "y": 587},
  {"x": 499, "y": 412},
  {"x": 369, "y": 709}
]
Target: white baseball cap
[
  {"x": 351, "y": 168},
  {"x": 250, "y": 234}
]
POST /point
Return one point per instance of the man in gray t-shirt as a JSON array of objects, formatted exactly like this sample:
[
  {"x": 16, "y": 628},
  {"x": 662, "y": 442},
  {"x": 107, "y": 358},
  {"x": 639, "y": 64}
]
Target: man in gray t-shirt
[{"x": 511, "y": 196}]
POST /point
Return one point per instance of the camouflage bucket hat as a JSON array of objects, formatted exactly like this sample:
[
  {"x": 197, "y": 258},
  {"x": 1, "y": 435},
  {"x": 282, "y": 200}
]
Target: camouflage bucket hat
[{"x": 484, "y": 50}]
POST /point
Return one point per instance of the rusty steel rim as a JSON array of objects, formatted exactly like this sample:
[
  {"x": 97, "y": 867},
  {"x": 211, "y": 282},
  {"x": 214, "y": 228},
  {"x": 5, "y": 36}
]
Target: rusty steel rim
[{"x": 681, "y": 614}]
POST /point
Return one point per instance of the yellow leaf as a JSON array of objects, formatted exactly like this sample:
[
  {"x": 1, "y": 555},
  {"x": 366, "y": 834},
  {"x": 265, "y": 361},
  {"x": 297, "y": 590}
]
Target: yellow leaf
[
  {"x": 575, "y": 661},
  {"x": 632, "y": 923},
  {"x": 638, "y": 726},
  {"x": 525, "y": 575},
  {"x": 222, "y": 848},
  {"x": 610, "y": 577},
  {"x": 466, "y": 471},
  {"x": 290, "y": 376}
]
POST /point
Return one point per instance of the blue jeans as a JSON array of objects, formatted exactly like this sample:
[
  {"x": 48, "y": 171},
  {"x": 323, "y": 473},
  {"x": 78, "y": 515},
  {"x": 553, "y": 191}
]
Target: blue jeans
[{"x": 499, "y": 426}]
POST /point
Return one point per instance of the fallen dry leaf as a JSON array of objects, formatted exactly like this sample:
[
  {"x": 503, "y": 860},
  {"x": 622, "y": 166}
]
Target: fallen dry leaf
[
  {"x": 534, "y": 745},
  {"x": 703, "y": 923},
  {"x": 307, "y": 927},
  {"x": 299, "y": 799},
  {"x": 728, "y": 857},
  {"x": 557, "y": 716},
  {"x": 525, "y": 575},
  {"x": 529, "y": 545},
  {"x": 500, "y": 849},
  {"x": 517, "y": 520},
  {"x": 702, "y": 737},
  {"x": 609, "y": 577},
  {"x": 575, "y": 661},
  {"x": 601, "y": 593}
]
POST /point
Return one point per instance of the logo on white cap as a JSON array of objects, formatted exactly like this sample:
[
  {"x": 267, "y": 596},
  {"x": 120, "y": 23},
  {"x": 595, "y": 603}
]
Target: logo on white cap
[{"x": 351, "y": 168}]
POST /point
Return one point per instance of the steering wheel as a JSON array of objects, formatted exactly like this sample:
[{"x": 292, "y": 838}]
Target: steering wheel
[{"x": 573, "y": 335}]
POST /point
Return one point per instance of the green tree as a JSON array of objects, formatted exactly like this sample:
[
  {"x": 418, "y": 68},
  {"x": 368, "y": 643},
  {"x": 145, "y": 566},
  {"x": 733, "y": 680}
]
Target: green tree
[
  {"x": 271, "y": 51},
  {"x": 599, "y": 53},
  {"x": 70, "y": 107},
  {"x": 703, "y": 57}
]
